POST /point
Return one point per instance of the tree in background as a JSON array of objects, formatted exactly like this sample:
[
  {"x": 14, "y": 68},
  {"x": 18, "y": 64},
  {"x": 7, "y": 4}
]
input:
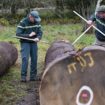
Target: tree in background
[
  {"x": 63, "y": 8},
  {"x": 59, "y": 8},
  {"x": 13, "y": 5}
]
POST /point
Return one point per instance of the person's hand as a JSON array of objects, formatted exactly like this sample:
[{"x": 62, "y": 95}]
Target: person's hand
[
  {"x": 36, "y": 39},
  {"x": 89, "y": 22},
  {"x": 32, "y": 34}
]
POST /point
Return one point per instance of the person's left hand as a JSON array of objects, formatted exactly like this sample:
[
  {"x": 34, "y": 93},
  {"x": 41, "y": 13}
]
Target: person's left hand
[
  {"x": 89, "y": 22},
  {"x": 36, "y": 39}
]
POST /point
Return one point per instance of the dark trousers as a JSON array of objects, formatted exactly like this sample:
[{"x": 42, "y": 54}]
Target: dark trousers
[{"x": 29, "y": 50}]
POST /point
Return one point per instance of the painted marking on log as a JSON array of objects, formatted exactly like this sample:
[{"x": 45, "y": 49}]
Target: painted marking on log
[
  {"x": 91, "y": 63},
  {"x": 87, "y": 97},
  {"x": 83, "y": 62}
]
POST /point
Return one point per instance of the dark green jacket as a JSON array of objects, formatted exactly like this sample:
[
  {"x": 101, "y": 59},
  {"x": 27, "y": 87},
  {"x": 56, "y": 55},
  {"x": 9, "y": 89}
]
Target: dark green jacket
[
  {"x": 100, "y": 24},
  {"x": 25, "y": 27}
]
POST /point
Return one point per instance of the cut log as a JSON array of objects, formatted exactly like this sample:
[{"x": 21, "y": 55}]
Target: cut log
[
  {"x": 58, "y": 49},
  {"x": 8, "y": 56},
  {"x": 66, "y": 75}
]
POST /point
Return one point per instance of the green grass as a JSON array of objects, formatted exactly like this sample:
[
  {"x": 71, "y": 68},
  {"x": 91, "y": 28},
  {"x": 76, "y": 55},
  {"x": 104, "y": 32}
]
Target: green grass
[
  {"x": 11, "y": 89},
  {"x": 67, "y": 32}
]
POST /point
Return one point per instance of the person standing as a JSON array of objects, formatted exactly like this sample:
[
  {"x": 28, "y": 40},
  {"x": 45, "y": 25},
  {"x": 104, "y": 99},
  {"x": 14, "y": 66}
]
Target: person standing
[
  {"x": 29, "y": 27},
  {"x": 99, "y": 19}
]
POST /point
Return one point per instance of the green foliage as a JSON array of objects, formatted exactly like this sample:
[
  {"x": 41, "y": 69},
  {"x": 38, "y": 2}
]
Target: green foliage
[
  {"x": 60, "y": 21},
  {"x": 51, "y": 17},
  {"x": 15, "y": 19},
  {"x": 85, "y": 7},
  {"x": 4, "y": 22}
]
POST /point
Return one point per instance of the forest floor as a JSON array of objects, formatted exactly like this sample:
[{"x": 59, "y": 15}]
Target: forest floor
[{"x": 32, "y": 97}]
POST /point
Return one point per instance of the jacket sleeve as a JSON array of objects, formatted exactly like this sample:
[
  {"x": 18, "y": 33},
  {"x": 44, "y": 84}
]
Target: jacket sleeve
[
  {"x": 39, "y": 32},
  {"x": 20, "y": 30}
]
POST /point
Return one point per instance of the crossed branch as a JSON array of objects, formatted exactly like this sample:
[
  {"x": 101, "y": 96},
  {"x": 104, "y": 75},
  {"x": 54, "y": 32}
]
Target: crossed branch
[{"x": 86, "y": 29}]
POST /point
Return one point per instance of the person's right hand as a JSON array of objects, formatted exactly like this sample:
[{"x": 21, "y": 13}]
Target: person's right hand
[
  {"x": 32, "y": 34},
  {"x": 89, "y": 22}
]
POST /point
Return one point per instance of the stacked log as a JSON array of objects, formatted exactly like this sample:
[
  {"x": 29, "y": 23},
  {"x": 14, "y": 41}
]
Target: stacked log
[
  {"x": 57, "y": 50},
  {"x": 8, "y": 56}
]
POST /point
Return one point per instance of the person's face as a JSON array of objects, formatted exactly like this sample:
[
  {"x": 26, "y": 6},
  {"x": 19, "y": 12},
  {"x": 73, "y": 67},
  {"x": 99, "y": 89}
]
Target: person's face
[
  {"x": 101, "y": 14},
  {"x": 31, "y": 18}
]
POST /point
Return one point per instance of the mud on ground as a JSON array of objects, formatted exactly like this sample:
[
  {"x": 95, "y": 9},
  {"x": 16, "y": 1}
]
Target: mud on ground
[{"x": 32, "y": 97}]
